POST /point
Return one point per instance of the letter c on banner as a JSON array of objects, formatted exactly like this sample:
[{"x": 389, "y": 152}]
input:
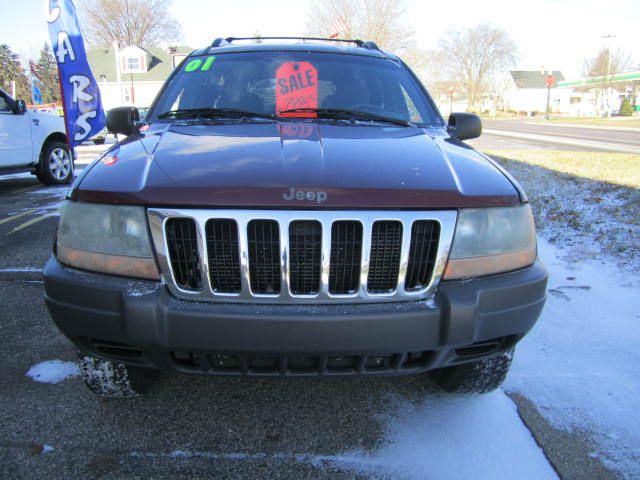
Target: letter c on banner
[{"x": 53, "y": 14}]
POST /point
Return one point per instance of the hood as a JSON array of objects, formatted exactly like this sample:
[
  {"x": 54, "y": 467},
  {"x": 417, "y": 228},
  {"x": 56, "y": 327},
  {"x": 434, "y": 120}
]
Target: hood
[{"x": 295, "y": 165}]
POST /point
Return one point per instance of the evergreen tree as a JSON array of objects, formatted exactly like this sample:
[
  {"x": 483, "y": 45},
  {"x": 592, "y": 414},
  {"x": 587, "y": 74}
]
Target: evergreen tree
[
  {"x": 48, "y": 72},
  {"x": 626, "y": 110},
  {"x": 11, "y": 70}
]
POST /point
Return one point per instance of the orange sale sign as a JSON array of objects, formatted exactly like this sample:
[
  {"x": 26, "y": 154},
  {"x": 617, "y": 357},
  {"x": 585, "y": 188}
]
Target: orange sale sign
[{"x": 296, "y": 87}]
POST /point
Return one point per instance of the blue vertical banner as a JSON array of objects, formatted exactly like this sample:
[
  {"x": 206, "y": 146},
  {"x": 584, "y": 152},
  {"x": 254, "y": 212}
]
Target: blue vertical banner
[
  {"x": 36, "y": 94},
  {"x": 83, "y": 113}
]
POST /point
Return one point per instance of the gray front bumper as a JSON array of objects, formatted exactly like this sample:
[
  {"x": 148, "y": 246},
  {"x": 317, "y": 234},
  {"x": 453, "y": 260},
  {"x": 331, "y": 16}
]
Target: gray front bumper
[{"x": 93, "y": 310}]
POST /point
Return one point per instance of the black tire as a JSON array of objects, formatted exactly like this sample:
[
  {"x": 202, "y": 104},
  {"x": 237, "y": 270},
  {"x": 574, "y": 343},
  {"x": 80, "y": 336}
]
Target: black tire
[
  {"x": 56, "y": 164},
  {"x": 98, "y": 141},
  {"x": 113, "y": 380},
  {"x": 481, "y": 376}
]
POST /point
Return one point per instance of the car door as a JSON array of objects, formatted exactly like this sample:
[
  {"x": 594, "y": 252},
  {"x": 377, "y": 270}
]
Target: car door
[{"x": 15, "y": 135}]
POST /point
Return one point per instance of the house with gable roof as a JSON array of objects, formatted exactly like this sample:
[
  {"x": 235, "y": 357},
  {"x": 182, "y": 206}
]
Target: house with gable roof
[
  {"x": 526, "y": 92},
  {"x": 133, "y": 75}
]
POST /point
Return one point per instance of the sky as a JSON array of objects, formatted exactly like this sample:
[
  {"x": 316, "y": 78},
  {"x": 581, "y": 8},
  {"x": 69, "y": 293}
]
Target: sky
[{"x": 554, "y": 34}]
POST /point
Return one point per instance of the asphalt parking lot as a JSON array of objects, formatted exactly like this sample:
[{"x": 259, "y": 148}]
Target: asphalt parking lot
[
  {"x": 93, "y": 438},
  {"x": 233, "y": 428}
]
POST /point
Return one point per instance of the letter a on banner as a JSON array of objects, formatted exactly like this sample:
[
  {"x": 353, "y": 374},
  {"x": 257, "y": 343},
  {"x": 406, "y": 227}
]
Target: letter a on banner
[{"x": 83, "y": 113}]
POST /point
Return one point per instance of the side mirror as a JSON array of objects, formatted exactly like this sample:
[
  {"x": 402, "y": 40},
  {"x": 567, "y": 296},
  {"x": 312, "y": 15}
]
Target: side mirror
[
  {"x": 465, "y": 126},
  {"x": 123, "y": 120},
  {"x": 19, "y": 107}
]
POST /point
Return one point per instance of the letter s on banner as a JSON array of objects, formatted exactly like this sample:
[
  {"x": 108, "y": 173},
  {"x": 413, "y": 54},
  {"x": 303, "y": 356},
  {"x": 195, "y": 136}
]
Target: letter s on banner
[{"x": 83, "y": 113}]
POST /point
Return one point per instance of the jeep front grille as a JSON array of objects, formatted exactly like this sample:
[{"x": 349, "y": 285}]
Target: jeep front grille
[
  {"x": 264, "y": 254},
  {"x": 422, "y": 254},
  {"x": 183, "y": 252},
  {"x": 301, "y": 256},
  {"x": 384, "y": 266},
  {"x": 346, "y": 257},
  {"x": 305, "y": 247},
  {"x": 224, "y": 258}
]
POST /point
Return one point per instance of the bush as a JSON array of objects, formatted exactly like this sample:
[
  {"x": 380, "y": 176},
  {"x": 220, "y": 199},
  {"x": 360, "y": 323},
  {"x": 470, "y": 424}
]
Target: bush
[{"x": 625, "y": 108}]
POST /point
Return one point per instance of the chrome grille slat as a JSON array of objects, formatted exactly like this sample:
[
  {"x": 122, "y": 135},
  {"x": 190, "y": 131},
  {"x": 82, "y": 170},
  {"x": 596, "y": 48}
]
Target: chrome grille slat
[
  {"x": 317, "y": 282},
  {"x": 405, "y": 252},
  {"x": 203, "y": 252},
  {"x": 326, "y": 260},
  {"x": 244, "y": 257}
]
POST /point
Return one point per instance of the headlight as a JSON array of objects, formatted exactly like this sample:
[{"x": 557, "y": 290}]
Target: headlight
[
  {"x": 106, "y": 238},
  {"x": 491, "y": 240}
]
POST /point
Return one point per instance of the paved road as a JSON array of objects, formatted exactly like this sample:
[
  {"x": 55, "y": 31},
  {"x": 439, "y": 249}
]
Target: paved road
[
  {"x": 233, "y": 428},
  {"x": 605, "y": 139}
]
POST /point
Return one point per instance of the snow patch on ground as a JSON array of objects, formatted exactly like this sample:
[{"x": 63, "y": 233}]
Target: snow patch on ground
[
  {"x": 445, "y": 436},
  {"x": 13, "y": 176},
  {"x": 58, "y": 192},
  {"x": 55, "y": 197},
  {"x": 579, "y": 364},
  {"x": 449, "y": 436},
  {"x": 21, "y": 269},
  {"x": 53, "y": 371}
]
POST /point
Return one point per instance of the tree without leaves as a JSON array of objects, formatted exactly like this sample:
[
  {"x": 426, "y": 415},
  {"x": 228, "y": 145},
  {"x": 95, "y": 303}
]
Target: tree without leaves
[
  {"x": 437, "y": 78},
  {"x": 143, "y": 23},
  {"x": 474, "y": 56},
  {"x": 381, "y": 21},
  {"x": 11, "y": 70},
  {"x": 605, "y": 62},
  {"x": 601, "y": 64}
]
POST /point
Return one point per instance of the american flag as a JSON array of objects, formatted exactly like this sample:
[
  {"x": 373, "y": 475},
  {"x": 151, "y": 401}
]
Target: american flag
[
  {"x": 338, "y": 26},
  {"x": 33, "y": 66}
]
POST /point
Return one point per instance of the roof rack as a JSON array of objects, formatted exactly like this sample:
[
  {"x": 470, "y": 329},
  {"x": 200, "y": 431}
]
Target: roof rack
[{"x": 369, "y": 45}]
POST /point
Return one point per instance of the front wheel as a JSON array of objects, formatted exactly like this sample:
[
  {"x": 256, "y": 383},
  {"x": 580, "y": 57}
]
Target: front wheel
[
  {"x": 481, "y": 376},
  {"x": 56, "y": 164},
  {"x": 113, "y": 380}
]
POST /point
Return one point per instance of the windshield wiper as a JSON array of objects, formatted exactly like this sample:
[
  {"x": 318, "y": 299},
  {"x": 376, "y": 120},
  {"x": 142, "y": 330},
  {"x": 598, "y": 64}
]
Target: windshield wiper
[
  {"x": 213, "y": 113},
  {"x": 348, "y": 114}
]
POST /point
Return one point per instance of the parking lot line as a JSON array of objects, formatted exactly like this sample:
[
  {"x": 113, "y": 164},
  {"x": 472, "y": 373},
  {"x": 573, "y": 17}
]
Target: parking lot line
[
  {"x": 18, "y": 215},
  {"x": 31, "y": 222},
  {"x": 27, "y": 189}
]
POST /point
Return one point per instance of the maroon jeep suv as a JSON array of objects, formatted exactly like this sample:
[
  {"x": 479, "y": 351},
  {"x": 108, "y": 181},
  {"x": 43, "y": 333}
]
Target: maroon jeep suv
[{"x": 294, "y": 209}]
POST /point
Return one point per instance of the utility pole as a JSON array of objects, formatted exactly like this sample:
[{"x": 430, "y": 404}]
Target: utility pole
[
  {"x": 133, "y": 98},
  {"x": 608, "y": 80},
  {"x": 549, "y": 81}
]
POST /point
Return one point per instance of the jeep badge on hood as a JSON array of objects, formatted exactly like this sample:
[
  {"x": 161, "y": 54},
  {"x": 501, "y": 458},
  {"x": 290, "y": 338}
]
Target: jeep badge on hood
[{"x": 309, "y": 195}]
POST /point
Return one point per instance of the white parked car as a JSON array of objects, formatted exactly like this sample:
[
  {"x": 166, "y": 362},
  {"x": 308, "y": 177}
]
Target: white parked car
[{"x": 33, "y": 141}]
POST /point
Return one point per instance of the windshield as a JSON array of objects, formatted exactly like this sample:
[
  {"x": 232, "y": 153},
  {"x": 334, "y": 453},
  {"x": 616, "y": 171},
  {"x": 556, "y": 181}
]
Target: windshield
[{"x": 296, "y": 85}]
